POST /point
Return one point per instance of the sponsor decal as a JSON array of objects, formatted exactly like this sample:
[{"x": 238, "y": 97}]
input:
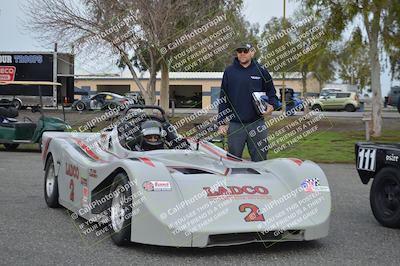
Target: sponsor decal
[
  {"x": 157, "y": 186},
  {"x": 255, "y": 77},
  {"x": 7, "y": 73},
  {"x": 85, "y": 196},
  {"x": 72, "y": 170},
  {"x": 313, "y": 185},
  {"x": 93, "y": 173},
  {"x": 237, "y": 191},
  {"x": 392, "y": 158}
]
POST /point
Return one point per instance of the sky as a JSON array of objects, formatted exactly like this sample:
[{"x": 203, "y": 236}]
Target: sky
[{"x": 15, "y": 38}]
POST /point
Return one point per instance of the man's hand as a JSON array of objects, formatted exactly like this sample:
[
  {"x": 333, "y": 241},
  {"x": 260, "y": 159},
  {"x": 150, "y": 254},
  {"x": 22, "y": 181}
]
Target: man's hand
[
  {"x": 269, "y": 111},
  {"x": 223, "y": 129}
]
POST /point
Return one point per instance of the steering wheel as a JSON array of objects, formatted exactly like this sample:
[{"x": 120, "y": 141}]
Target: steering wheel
[
  {"x": 127, "y": 134},
  {"x": 27, "y": 118}
]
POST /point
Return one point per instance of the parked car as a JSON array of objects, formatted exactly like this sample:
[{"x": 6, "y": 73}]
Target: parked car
[
  {"x": 101, "y": 101},
  {"x": 136, "y": 96},
  {"x": 394, "y": 97},
  {"x": 381, "y": 162},
  {"x": 347, "y": 101}
]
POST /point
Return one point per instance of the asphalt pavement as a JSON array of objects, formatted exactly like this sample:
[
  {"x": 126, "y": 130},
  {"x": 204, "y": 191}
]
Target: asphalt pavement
[{"x": 32, "y": 234}]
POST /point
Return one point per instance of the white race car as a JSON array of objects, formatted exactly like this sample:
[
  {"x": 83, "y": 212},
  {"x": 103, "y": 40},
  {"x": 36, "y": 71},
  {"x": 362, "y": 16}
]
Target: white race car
[{"x": 182, "y": 193}]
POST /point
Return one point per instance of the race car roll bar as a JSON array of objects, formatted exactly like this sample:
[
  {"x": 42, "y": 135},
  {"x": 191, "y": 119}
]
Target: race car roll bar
[{"x": 136, "y": 106}]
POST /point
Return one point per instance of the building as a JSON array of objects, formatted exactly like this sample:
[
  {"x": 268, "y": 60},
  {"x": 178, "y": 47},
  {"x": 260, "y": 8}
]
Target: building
[{"x": 187, "y": 89}]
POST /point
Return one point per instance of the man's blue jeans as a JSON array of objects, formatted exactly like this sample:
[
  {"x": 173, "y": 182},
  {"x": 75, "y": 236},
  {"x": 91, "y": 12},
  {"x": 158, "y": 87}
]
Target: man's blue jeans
[{"x": 253, "y": 134}]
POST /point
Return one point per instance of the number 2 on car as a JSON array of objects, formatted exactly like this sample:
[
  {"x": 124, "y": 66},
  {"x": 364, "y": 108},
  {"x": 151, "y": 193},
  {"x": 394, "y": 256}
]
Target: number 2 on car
[{"x": 254, "y": 215}]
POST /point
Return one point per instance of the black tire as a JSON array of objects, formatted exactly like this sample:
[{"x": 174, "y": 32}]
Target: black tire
[
  {"x": 11, "y": 147},
  {"x": 51, "y": 186},
  {"x": 10, "y": 112},
  {"x": 17, "y": 104},
  {"x": 111, "y": 106},
  {"x": 80, "y": 106},
  {"x": 350, "y": 108},
  {"x": 121, "y": 233},
  {"x": 316, "y": 107},
  {"x": 385, "y": 197}
]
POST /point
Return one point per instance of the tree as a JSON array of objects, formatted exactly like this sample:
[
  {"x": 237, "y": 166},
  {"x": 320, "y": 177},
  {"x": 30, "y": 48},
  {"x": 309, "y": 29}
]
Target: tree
[
  {"x": 243, "y": 31},
  {"x": 296, "y": 45},
  {"x": 353, "y": 61},
  {"x": 135, "y": 31},
  {"x": 377, "y": 17}
]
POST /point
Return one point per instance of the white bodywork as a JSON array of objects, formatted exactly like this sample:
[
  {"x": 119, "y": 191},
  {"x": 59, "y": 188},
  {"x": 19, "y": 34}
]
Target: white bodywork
[{"x": 202, "y": 198}]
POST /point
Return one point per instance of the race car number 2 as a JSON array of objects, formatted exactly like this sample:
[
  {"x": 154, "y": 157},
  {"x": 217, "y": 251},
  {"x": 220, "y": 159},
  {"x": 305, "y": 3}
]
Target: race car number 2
[
  {"x": 254, "y": 215},
  {"x": 71, "y": 186}
]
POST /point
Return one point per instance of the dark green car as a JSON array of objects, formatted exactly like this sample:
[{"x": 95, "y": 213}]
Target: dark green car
[{"x": 14, "y": 132}]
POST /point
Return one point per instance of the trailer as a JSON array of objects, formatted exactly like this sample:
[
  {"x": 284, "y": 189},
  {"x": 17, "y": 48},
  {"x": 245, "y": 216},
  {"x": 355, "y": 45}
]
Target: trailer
[{"x": 37, "y": 66}]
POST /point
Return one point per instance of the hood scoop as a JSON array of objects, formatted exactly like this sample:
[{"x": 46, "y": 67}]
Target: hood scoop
[
  {"x": 247, "y": 171},
  {"x": 190, "y": 171}
]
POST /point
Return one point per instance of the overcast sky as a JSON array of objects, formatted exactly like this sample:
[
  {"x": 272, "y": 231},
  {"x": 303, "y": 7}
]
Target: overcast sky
[{"x": 14, "y": 38}]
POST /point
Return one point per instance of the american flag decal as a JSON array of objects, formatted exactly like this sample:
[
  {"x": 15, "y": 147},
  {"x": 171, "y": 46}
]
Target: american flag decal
[{"x": 309, "y": 184}]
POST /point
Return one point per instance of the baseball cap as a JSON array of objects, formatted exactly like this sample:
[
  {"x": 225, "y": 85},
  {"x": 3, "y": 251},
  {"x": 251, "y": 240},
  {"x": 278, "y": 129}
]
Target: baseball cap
[{"x": 247, "y": 46}]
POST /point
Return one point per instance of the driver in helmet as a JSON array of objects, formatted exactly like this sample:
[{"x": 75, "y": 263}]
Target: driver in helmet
[{"x": 152, "y": 138}]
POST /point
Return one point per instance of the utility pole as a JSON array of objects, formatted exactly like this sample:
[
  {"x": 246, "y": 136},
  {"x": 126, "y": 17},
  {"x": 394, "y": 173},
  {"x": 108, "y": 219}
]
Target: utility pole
[{"x": 283, "y": 73}]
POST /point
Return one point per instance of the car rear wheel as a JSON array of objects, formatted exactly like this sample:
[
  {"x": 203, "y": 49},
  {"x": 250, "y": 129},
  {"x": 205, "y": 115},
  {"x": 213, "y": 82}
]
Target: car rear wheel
[
  {"x": 385, "y": 197},
  {"x": 350, "y": 108},
  {"x": 121, "y": 210},
  {"x": 51, "y": 185},
  {"x": 80, "y": 106},
  {"x": 316, "y": 107},
  {"x": 11, "y": 147}
]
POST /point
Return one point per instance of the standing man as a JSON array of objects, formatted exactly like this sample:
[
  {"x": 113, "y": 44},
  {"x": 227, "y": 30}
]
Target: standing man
[{"x": 246, "y": 125}]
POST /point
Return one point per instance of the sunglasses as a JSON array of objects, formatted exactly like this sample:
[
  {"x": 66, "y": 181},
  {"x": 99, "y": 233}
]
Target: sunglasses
[{"x": 242, "y": 50}]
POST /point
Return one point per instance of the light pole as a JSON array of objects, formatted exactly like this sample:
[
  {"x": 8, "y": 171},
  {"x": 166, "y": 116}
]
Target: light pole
[{"x": 283, "y": 73}]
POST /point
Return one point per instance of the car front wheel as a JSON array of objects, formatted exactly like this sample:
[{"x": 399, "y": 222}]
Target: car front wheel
[
  {"x": 121, "y": 210},
  {"x": 385, "y": 197},
  {"x": 51, "y": 185}
]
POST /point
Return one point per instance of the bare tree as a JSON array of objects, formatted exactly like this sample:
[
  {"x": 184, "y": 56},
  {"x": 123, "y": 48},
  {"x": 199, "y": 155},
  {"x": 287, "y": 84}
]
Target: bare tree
[
  {"x": 127, "y": 28},
  {"x": 133, "y": 30}
]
